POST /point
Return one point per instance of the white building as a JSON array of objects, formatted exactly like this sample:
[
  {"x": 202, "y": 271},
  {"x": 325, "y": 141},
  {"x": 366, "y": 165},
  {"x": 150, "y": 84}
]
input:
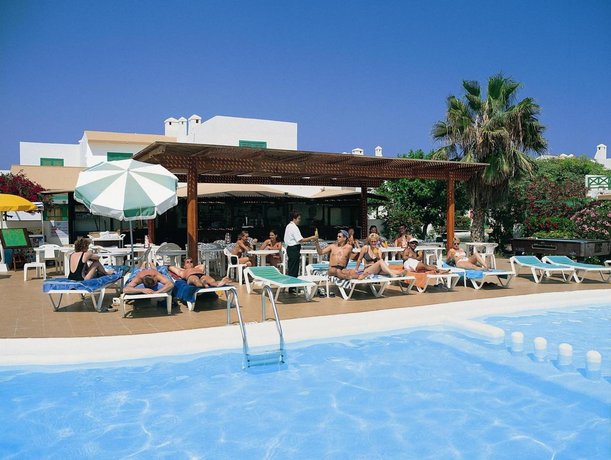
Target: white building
[
  {"x": 97, "y": 146},
  {"x": 601, "y": 156}
]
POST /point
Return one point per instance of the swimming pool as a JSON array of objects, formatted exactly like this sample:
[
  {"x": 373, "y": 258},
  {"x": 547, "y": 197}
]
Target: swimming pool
[{"x": 420, "y": 394}]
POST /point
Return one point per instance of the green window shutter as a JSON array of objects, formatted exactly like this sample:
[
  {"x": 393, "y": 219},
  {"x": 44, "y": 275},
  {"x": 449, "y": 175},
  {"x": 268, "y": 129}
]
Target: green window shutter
[
  {"x": 114, "y": 156},
  {"x": 51, "y": 162},
  {"x": 256, "y": 144}
]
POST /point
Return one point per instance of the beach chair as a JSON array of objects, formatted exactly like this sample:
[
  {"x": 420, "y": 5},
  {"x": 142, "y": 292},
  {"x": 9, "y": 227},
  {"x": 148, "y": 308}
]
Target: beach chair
[
  {"x": 480, "y": 277},
  {"x": 157, "y": 295},
  {"x": 188, "y": 294},
  {"x": 541, "y": 269},
  {"x": 91, "y": 287},
  {"x": 603, "y": 270},
  {"x": 422, "y": 280},
  {"x": 273, "y": 278},
  {"x": 377, "y": 284}
]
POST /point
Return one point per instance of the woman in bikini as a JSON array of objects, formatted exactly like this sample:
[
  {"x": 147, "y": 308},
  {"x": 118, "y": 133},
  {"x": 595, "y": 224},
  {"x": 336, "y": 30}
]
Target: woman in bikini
[
  {"x": 372, "y": 260},
  {"x": 458, "y": 257},
  {"x": 195, "y": 275},
  {"x": 273, "y": 243},
  {"x": 84, "y": 264}
]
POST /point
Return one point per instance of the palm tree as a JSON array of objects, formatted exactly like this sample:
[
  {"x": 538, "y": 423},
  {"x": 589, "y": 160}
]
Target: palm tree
[{"x": 493, "y": 130}]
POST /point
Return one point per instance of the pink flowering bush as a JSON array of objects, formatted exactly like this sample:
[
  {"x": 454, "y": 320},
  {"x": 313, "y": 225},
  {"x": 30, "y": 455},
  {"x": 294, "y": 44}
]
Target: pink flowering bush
[{"x": 594, "y": 221}]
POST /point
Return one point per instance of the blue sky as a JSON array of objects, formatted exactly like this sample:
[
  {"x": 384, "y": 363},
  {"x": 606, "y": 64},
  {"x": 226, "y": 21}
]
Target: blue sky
[{"x": 350, "y": 73}]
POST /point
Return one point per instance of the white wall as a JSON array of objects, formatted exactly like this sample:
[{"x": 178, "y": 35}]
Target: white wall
[
  {"x": 30, "y": 153},
  {"x": 230, "y": 130}
]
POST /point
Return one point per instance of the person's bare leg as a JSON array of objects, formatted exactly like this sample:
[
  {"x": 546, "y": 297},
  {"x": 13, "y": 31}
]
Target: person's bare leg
[
  {"x": 468, "y": 265},
  {"x": 96, "y": 269},
  {"x": 194, "y": 280},
  {"x": 479, "y": 258}
]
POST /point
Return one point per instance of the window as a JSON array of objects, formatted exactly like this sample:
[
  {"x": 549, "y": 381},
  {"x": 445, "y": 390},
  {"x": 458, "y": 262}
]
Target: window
[
  {"x": 114, "y": 156},
  {"x": 56, "y": 212},
  {"x": 51, "y": 162},
  {"x": 257, "y": 144}
]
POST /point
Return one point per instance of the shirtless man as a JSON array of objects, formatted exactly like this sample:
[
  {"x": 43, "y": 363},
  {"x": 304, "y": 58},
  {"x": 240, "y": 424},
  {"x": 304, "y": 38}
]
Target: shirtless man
[
  {"x": 150, "y": 278},
  {"x": 339, "y": 255},
  {"x": 195, "y": 275}
]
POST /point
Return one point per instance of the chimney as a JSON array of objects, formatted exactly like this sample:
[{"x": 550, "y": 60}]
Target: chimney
[
  {"x": 194, "y": 121},
  {"x": 358, "y": 151},
  {"x": 601, "y": 154},
  {"x": 176, "y": 128},
  {"x": 378, "y": 151}
]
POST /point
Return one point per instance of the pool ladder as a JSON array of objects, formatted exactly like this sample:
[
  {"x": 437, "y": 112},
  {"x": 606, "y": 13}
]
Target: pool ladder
[{"x": 265, "y": 357}]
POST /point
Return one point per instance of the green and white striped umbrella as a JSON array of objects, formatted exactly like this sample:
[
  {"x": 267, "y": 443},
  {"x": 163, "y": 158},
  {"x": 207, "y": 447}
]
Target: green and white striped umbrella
[{"x": 127, "y": 190}]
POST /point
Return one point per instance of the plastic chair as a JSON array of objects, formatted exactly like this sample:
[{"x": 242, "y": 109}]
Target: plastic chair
[{"x": 233, "y": 263}]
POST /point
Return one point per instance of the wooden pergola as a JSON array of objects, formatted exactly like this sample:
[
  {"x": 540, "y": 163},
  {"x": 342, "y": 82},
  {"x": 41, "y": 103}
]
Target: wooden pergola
[{"x": 205, "y": 163}]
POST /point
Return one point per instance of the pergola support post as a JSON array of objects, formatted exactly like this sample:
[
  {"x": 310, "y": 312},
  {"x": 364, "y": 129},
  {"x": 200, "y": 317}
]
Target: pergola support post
[
  {"x": 150, "y": 226},
  {"x": 451, "y": 205},
  {"x": 364, "y": 220},
  {"x": 192, "y": 217}
]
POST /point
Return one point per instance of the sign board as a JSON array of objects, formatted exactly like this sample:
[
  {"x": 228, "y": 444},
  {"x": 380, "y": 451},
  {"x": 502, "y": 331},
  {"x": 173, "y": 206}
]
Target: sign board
[{"x": 14, "y": 238}]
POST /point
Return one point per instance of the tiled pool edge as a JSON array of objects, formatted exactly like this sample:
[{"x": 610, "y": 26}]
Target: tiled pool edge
[{"x": 67, "y": 351}]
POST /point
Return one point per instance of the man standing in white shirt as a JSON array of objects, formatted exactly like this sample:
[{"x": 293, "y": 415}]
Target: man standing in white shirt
[{"x": 293, "y": 240}]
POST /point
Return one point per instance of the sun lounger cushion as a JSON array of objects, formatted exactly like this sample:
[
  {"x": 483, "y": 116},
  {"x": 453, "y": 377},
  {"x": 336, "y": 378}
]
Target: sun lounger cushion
[
  {"x": 161, "y": 269},
  {"x": 65, "y": 284},
  {"x": 272, "y": 274},
  {"x": 186, "y": 292}
]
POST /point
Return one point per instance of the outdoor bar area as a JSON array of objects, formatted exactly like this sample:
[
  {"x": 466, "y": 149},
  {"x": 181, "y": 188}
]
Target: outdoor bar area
[{"x": 201, "y": 165}]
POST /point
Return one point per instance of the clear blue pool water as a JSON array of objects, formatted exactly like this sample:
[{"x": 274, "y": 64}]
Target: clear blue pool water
[{"x": 421, "y": 395}]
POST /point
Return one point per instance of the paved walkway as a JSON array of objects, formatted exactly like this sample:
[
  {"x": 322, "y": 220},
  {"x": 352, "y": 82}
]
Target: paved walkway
[{"x": 26, "y": 312}]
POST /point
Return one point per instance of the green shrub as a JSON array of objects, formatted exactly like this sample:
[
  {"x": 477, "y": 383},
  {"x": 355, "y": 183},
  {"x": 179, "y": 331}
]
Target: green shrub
[{"x": 553, "y": 234}]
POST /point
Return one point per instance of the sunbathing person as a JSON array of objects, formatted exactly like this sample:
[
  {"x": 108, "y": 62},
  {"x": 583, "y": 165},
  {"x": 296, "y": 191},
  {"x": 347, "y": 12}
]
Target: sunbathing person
[
  {"x": 458, "y": 257},
  {"x": 273, "y": 243},
  {"x": 402, "y": 239},
  {"x": 413, "y": 260},
  {"x": 354, "y": 242},
  {"x": 339, "y": 255},
  {"x": 372, "y": 259},
  {"x": 195, "y": 275},
  {"x": 242, "y": 247},
  {"x": 84, "y": 264},
  {"x": 150, "y": 278}
]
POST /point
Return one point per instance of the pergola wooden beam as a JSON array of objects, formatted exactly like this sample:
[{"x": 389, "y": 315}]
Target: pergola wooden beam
[{"x": 247, "y": 165}]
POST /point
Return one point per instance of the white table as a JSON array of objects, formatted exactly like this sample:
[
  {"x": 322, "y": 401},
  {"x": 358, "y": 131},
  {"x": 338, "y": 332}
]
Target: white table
[
  {"x": 307, "y": 257},
  {"x": 262, "y": 255},
  {"x": 485, "y": 249},
  {"x": 394, "y": 250},
  {"x": 173, "y": 254},
  {"x": 432, "y": 254}
]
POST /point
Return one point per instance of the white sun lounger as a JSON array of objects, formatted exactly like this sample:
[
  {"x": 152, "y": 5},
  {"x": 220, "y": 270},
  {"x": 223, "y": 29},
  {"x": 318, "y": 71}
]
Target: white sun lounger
[
  {"x": 604, "y": 270},
  {"x": 157, "y": 295},
  {"x": 91, "y": 287},
  {"x": 377, "y": 284},
  {"x": 480, "y": 277},
  {"x": 448, "y": 280},
  {"x": 273, "y": 278},
  {"x": 540, "y": 269}
]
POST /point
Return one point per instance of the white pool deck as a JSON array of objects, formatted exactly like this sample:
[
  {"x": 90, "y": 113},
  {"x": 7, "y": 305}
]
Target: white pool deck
[{"x": 17, "y": 352}]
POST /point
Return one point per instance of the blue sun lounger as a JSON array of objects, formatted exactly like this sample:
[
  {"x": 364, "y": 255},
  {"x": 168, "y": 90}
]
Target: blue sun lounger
[
  {"x": 541, "y": 269},
  {"x": 605, "y": 271},
  {"x": 63, "y": 286},
  {"x": 480, "y": 277}
]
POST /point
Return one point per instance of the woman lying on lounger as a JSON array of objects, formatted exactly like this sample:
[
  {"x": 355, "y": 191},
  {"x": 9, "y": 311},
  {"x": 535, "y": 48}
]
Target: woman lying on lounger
[
  {"x": 372, "y": 259},
  {"x": 458, "y": 257},
  {"x": 196, "y": 275},
  {"x": 84, "y": 264}
]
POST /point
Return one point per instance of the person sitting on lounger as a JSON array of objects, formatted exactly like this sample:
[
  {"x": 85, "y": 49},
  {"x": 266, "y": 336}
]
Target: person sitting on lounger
[
  {"x": 195, "y": 275},
  {"x": 402, "y": 239},
  {"x": 242, "y": 247},
  {"x": 354, "y": 242},
  {"x": 372, "y": 259},
  {"x": 458, "y": 257},
  {"x": 273, "y": 243},
  {"x": 339, "y": 255},
  {"x": 150, "y": 278},
  {"x": 84, "y": 264},
  {"x": 413, "y": 259}
]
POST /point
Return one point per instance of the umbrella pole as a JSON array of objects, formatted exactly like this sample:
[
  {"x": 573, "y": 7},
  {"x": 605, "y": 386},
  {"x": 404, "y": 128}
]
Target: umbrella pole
[{"x": 131, "y": 243}]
